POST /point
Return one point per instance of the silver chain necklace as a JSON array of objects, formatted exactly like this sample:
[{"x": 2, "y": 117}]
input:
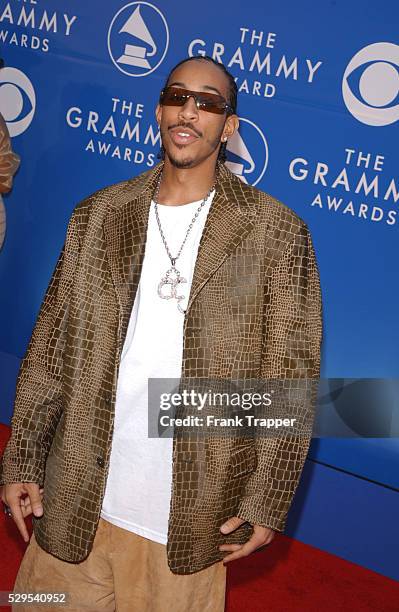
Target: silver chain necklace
[{"x": 173, "y": 276}]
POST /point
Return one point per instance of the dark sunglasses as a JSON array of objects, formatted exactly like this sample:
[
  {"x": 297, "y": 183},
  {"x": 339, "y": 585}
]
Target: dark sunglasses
[{"x": 212, "y": 103}]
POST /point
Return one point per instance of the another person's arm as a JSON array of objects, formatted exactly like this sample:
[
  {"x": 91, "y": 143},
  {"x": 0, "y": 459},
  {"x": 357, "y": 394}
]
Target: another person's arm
[{"x": 9, "y": 161}]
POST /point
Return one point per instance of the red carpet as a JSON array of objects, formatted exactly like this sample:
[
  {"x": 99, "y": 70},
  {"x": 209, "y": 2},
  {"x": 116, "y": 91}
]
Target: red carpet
[{"x": 287, "y": 577}]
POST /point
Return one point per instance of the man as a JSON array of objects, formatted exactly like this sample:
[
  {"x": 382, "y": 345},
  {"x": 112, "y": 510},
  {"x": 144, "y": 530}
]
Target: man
[{"x": 183, "y": 270}]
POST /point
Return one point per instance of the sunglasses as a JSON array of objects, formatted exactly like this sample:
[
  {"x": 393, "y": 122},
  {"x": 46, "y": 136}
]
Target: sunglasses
[{"x": 212, "y": 103}]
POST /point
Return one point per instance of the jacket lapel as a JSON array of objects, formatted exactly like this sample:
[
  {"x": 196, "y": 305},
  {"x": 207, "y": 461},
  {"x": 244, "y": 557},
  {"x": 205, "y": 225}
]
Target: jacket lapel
[
  {"x": 125, "y": 231},
  {"x": 230, "y": 218}
]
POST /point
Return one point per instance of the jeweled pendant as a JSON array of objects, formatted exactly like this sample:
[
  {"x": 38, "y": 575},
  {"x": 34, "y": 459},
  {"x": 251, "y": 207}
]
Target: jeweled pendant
[{"x": 172, "y": 279}]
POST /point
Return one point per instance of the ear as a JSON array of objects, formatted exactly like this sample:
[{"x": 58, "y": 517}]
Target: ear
[
  {"x": 230, "y": 127},
  {"x": 158, "y": 113}
]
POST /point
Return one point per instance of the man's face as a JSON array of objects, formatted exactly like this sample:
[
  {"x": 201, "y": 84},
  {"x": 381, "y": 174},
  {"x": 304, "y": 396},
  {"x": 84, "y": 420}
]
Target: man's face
[{"x": 189, "y": 135}]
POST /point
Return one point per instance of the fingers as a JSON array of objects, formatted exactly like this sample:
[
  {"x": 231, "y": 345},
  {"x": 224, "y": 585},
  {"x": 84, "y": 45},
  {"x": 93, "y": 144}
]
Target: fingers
[
  {"x": 17, "y": 515},
  {"x": 36, "y": 503},
  {"x": 230, "y": 547},
  {"x": 20, "y": 508},
  {"x": 26, "y": 505},
  {"x": 243, "y": 550},
  {"x": 232, "y": 524},
  {"x": 260, "y": 537}
]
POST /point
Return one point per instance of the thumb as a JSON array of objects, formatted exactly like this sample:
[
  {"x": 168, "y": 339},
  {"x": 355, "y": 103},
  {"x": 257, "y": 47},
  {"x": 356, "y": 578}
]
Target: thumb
[
  {"x": 231, "y": 524},
  {"x": 35, "y": 499}
]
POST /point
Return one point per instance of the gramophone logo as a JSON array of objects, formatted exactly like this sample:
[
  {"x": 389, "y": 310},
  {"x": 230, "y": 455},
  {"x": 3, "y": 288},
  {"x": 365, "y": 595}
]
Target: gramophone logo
[
  {"x": 248, "y": 152},
  {"x": 138, "y": 39}
]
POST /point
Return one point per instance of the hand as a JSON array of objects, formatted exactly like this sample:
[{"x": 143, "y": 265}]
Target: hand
[
  {"x": 21, "y": 507},
  {"x": 260, "y": 537}
]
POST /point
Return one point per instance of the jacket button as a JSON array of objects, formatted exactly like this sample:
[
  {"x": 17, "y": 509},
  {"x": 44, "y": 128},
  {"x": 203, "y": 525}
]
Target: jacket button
[
  {"x": 108, "y": 399},
  {"x": 100, "y": 461}
]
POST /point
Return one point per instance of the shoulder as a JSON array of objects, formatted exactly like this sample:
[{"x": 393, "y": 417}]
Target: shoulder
[
  {"x": 272, "y": 215},
  {"x": 94, "y": 207},
  {"x": 111, "y": 193}
]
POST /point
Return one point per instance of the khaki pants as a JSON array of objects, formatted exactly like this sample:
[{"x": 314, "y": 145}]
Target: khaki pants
[{"x": 123, "y": 572}]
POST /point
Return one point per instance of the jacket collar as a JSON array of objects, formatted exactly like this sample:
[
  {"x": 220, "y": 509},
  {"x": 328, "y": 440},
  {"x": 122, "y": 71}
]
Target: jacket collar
[{"x": 230, "y": 218}]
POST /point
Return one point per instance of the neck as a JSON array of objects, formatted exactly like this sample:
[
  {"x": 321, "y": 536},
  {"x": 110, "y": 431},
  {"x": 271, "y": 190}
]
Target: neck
[{"x": 184, "y": 185}]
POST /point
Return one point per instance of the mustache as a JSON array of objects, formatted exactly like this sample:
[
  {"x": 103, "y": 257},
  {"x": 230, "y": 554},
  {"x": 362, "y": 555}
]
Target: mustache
[{"x": 186, "y": 125}]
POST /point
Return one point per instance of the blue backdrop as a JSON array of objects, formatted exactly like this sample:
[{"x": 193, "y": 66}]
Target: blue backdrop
[{"x": 319, "y": 109}]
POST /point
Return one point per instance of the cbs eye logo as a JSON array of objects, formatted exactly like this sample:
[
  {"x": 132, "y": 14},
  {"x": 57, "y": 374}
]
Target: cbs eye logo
[
  {"x": 370, "y": 85},
  {"x": 17, "y": 100}
]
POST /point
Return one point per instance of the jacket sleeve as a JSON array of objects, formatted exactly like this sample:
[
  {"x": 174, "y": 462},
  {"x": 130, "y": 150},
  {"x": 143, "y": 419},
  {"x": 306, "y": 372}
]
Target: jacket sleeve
[
  {"x": 292, "y": 344},
  {"x": 39, "y": 402}
]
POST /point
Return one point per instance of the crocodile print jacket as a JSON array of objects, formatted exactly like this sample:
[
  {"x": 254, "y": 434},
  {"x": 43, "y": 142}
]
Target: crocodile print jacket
[{"x": 254, "y": 311}]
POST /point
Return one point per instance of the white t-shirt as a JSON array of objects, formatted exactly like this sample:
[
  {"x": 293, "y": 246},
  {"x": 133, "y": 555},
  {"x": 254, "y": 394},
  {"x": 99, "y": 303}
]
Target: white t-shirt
[{"x": 138, "y": 489}]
